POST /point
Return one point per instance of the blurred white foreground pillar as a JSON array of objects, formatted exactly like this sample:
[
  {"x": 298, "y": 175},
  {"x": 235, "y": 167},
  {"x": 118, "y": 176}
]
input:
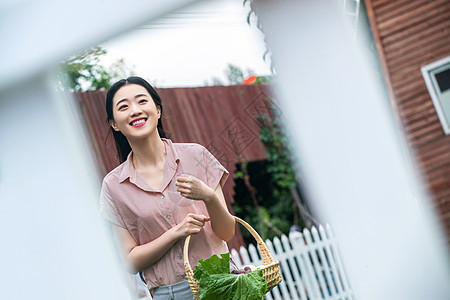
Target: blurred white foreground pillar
[
  {"x": 358, "y": 173},
  {"x": 53, "y": 244}
]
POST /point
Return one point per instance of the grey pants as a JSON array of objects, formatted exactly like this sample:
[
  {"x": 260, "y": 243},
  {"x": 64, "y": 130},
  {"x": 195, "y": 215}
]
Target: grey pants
[{"x": 177, "y": 291}]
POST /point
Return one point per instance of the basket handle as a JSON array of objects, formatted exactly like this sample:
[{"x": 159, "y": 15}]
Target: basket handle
[{"x": 265, "y": 253}]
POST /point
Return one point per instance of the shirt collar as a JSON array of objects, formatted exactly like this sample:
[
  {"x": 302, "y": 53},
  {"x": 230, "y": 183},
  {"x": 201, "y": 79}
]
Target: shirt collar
[
  {"x": 128, "y": 170},
  {"x": 172, "y": 154}
]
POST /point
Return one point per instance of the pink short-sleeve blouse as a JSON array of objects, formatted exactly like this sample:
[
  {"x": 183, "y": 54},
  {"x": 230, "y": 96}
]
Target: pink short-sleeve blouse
[{"x": 128, "y": 201}]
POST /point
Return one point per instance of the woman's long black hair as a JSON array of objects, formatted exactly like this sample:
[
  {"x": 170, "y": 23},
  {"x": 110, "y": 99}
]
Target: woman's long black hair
[{"x": 122, "y": 145}]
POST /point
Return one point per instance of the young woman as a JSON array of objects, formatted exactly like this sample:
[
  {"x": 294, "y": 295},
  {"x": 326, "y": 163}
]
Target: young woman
[{"x": 161, "y": 192}]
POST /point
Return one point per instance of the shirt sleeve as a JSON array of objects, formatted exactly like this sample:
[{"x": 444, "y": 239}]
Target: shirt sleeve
[
  {"x": 215, "y": 172},
  {"x": 108, "y": 208}
]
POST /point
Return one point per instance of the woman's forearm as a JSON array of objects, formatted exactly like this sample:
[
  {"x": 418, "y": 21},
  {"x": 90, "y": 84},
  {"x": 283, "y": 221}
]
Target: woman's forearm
[
  {"x": 143, "y": 256},
  {"x": 139, "y": 257},
  {"x": 222, "y": 222}
]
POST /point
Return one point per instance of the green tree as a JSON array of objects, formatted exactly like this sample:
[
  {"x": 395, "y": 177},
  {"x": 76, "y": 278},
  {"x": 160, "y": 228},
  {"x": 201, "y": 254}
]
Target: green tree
[
  {"x": 84, "y": 72},
  {"x": 282, "y": 164},
  {"x": 267, "y": 193},
  {"x": 233, "y": 74},
  {"x": 216, "y": 81}
]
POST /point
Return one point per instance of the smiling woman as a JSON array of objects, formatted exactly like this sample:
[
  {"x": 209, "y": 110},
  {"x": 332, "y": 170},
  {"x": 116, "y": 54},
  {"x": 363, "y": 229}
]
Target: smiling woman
[
  {"x": 134, "y": 112},
  {"x": 139, "y": 87},
  {"x": 161, "y": 193}
]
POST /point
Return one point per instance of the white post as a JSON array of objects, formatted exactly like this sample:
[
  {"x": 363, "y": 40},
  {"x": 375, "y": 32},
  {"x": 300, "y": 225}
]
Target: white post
[
  {"x": 357, "y": 171},
  {"x": 53, "y": 243}
]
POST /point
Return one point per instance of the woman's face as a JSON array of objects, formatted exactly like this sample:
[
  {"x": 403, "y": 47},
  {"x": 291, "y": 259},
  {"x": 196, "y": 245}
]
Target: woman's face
[{"x": 135, "y": 113}]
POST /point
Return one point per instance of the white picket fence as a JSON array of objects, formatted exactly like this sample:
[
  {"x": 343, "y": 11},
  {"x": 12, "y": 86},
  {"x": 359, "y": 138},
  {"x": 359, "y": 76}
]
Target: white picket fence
[{"x": 310, "y": 265}]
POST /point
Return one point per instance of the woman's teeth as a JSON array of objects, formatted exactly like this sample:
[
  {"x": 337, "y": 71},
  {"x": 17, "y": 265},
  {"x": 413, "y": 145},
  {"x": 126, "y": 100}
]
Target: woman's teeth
[{"x": 138, "y": 122}]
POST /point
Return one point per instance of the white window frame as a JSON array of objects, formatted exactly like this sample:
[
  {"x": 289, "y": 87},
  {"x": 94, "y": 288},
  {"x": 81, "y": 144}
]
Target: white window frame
[{"x": 428, "y": 73}]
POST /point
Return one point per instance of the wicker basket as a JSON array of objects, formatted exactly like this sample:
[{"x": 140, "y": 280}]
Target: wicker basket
[{"x": 270, "y": 267}]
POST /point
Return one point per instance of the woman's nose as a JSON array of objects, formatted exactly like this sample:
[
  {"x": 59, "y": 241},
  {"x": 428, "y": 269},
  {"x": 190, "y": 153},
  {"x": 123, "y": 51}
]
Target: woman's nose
[{"x": 135, "y": 110}]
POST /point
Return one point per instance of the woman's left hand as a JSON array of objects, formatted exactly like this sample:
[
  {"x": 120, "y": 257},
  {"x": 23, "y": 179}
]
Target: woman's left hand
[{"x": 193, "y": 188}]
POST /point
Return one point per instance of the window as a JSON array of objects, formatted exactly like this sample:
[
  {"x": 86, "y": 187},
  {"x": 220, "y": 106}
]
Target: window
[{"x": 437, "y": 79}]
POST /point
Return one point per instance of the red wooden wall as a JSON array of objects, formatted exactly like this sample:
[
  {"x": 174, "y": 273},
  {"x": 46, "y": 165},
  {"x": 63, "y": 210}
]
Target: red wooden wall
[{"x": 410, "y": 34}]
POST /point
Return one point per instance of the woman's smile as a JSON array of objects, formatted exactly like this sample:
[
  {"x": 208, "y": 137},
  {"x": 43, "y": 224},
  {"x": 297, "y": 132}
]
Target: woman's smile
[
  {"x": 138, "y": 122},
  {"x": 133, "y": 109}
]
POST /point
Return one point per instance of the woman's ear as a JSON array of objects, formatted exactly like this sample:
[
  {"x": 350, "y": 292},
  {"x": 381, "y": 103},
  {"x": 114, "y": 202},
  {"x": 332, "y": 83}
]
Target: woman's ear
[
  {"x": 159, "y": 111},
  {"x": 113, "y": 125}
]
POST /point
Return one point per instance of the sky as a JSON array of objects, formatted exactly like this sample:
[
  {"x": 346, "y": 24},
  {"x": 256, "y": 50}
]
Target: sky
[{"x": 189, "y": 47}]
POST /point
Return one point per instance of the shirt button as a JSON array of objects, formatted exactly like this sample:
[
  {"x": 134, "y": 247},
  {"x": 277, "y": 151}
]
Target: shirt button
[
  {"x": 168, "y": 216},
  {"x": 162, "y": 196},
  {"x": 180, "y": 257}
]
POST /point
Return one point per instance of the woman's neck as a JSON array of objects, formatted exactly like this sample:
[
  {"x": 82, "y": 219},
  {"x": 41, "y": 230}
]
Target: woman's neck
[{"x": 149, "y": 152}]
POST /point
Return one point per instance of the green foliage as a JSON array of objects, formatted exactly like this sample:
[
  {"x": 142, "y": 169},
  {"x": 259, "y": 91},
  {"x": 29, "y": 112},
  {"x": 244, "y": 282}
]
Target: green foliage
[
  {"x": 275, "y": 141},
  {"x": 84, "y": 72},
  {"x": 239, "y": 175},
  {"x": 273, "y": 179},
  {"x": 275, "y": 205},
  {"x": 213, "y": 265},
  {"x": 216, "y": 81},
  {"x": 265, "y": 79},
  {"x": 216, "y": 282},
  {"x": 234, "y": 74}
]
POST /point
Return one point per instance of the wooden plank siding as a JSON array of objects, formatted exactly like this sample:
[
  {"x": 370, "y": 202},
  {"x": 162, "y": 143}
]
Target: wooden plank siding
[{"x": 410, "y": 34}]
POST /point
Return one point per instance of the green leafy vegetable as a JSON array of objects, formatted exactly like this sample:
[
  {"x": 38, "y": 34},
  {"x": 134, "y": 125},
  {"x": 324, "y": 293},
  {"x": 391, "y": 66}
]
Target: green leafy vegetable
[{"x": 216, "y": 282}]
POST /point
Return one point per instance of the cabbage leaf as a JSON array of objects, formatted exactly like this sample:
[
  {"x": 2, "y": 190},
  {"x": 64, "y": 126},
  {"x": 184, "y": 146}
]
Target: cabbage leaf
[{"x": 216, "y": 282}]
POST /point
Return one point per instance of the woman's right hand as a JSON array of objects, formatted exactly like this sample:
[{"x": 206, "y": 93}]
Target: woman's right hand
[
  {"x": 138, "y": 257},
  {"x": 191, "y": 224}
]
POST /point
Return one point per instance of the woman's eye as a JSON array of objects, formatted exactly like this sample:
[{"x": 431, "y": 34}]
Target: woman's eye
[
  {"x": 122, "y": 107},
  {"x": 143, "y": 101}
]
